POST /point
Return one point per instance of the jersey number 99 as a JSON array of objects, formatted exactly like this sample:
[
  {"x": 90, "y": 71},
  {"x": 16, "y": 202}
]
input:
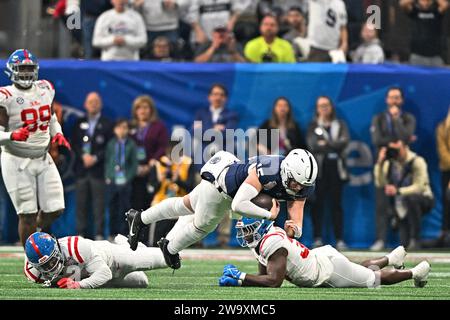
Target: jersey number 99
[{"x": 30, "y": 118}]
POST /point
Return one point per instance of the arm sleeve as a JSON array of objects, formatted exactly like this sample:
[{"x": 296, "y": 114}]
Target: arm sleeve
[
  {"x": 99, "y": 273},
  {"x": 405, "y": 127},
  {"x": 138, "y": 40},
  {"x": 101, "y": 38},
  {"x": 55, "y": 127},
  {"x": 242, "y": 203},
  {"x": 378, "y": 139}
]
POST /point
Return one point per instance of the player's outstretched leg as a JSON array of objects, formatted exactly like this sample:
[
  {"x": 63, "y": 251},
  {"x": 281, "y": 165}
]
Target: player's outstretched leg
[
  {"x": 395, "y": 258},
  {"x": 167, "y": 209},
  {"x": 419, "y": 273}
]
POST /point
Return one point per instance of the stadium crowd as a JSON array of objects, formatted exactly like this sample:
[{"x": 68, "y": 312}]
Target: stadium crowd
[{"x": 239, "y": 31}]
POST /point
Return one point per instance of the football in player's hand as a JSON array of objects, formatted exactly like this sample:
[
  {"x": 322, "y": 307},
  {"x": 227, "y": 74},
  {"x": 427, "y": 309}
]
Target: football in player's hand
[{"x": 264, "y": 201}]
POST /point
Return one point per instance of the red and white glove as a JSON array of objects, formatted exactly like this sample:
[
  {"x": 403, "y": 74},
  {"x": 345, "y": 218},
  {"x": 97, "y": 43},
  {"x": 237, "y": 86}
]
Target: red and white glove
[
  {"x": 21, "y": 134},
  {"x": 61, "y": 141},
  {"x": 68, "y": 283}
]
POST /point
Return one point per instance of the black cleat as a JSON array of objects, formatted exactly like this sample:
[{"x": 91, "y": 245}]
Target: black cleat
[
  {"x": 172, "y": 260},
  {"x": 135, "y": 226}
]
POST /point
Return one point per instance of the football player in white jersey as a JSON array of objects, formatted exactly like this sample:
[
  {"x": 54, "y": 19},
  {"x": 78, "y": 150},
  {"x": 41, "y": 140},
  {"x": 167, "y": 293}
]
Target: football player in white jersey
[
  {"x": 27, "y": 127},
  {"x": 281, "y": 257},
  {"x": 78, "y": 263}
]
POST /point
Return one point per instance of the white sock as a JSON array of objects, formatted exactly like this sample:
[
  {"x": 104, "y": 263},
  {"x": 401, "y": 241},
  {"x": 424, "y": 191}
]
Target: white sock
[
  {"x": 185, "y": 237},
  {"x": 180, "y": 225},
  {"x": 166, "y": 209}
]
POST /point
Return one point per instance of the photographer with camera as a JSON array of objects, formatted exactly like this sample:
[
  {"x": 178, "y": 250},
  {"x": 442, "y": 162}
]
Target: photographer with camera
[
  {"x": 391, "y": 125},
  {"x": 403, "y": 176},
  {"x": 269, "y": 47},
  {"x": 222, "y": 48},
  {"x": 173, "y": 175}
]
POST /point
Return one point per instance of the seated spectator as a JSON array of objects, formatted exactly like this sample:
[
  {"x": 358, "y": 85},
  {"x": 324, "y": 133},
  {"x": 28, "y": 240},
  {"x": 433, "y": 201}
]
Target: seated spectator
[
  {"x": 120, "y": 170},
  {"x": 119, "y": 33},
  {"x": 297, "y": 29},
  {"x": 327, "y": 31},
  {"x": 172, "y": 176},
  {"x": 269, "y": 47},
  {"x": 403, "y": 176},
  {"x": 205, "y": 15},
  {"x": 222, "y": 48},
  {"x": 443, "y": 146},
  {"x": 370, "y": 50},
  {"x": 161, "y": 50},
  {"x": 327, "y": 139},
  {"x": 282, "y": 119},
  {"x": 427, "y": 19}
]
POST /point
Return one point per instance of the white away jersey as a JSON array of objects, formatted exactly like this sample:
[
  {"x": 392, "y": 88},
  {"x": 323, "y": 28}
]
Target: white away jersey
[
  {"x": 305, "y": 268},
  {"x": 326, "y": 18},
  {"x": 30, "y": 108},
  {"x": 85, "y": 259}
]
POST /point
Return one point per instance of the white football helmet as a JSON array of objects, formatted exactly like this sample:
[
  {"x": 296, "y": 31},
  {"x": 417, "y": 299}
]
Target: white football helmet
[{"x": 300, "y": 166}]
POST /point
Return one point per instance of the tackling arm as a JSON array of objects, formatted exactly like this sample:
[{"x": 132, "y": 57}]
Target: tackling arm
[
  {"x": 293, "y": 227},
  {"x": 242, "y": 204},
  {"x": 274, "y": 273}
]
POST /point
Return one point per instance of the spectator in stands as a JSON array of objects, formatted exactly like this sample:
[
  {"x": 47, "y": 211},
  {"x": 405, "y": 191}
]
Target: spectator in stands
[
  {"x": 283, "y": 120},
  {"x": 403, "y": 176},
  {"x": 370, "y": 50},
  {"x": 218, "y": 118},
  {"x": 297, "y": 29},
  {"x": 327, "y": 31},
  {"x": 120, "y": 170},
  {"x": 427, "y": 18},
  {"x": 120, "y": 33},
  {"x": 269, "y": 47},
  {"x": 161, "y": 50},
  {"x": 172, "y": 176},
  {"x": 151, "y": 137},
  {"x": 443, "y": 148},
  {"x": 222, "y": 48},
  {"x": 90, "y": 11},
  {"x": 280, "y": 9},
  {"x": 90, "y": 136},
  {"x": 161, "y": 17},
  {"x": 327, "y": 138},
  {"x": 389, "y": 126},
  {"x": 205, "y": 15}
]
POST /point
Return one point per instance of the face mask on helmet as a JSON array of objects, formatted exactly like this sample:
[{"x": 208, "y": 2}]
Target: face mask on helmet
[
  {"x": 250, "y": 231},
  {"x": 22, "y": 68}
]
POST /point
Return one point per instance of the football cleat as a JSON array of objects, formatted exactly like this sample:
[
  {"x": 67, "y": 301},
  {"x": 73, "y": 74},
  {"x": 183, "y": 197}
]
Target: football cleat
[
  {"x": 420, "y": 274},
  {"x": 172, "y": 260},
  {"x": 397, "y": 257},
  {"x": 135, "y": 226}
]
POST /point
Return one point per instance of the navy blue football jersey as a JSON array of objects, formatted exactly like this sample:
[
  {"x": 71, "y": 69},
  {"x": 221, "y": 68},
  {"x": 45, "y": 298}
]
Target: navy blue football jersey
[{"x": 268, "y": 170}]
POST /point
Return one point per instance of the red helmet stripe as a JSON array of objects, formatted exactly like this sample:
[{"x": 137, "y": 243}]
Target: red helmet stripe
[
  {"x": 35, "y": 247},
  {"x": 25, "y": 52}
]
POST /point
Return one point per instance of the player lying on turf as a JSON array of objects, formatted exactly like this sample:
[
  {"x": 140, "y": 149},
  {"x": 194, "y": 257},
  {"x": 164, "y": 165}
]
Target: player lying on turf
[
  {"x": 78, "y": 263},
  {"x": 281, "y": 257},
  {"x": 229, "y": 184}
]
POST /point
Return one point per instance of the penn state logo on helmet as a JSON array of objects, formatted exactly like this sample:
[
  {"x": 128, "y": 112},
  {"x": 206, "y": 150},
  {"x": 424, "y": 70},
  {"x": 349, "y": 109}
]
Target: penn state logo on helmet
[
  {"x": 301, "y": 166},
  {"x": 22, "y": 68}
]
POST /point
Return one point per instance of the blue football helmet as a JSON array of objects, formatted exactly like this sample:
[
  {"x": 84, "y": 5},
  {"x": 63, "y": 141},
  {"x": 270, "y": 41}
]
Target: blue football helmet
[
  {"x": 22, "y": 68},
  {"x": 44, "y": 254},
  {"x": 250, "y": 231}
]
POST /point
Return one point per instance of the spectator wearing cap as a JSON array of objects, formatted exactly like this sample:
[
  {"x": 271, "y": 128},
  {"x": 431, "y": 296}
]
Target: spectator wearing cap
[
  {"x": 370, "y": 50},
  {"x": 205, "y": 15},
  {"x": 427, "y": 19},
  {"x": 269, "y": 47},
  {"x": 222, "y": 48}
]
